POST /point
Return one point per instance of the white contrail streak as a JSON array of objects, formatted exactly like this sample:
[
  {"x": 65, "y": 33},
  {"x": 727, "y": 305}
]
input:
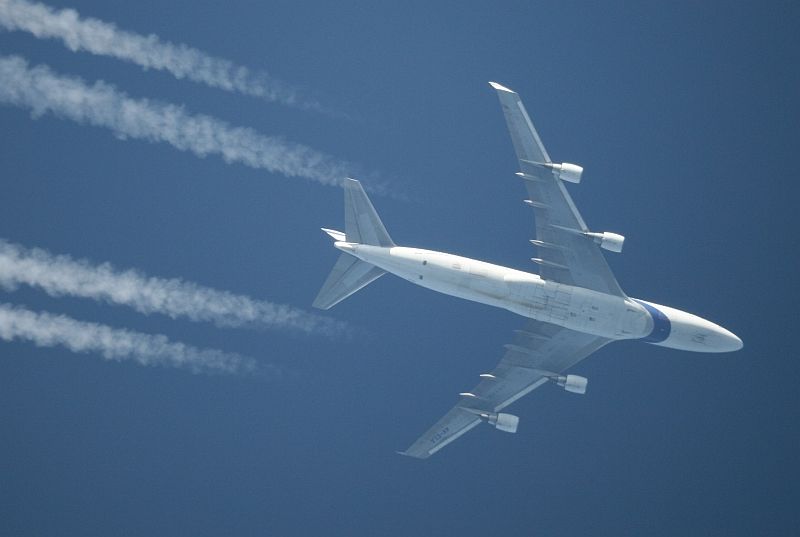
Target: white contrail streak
[
  {"x": 48, "y": 330},
  {"x": 42, "y": 90},
  {"x": 105, "y": 39},
  {"x": 60, "y": 275}
]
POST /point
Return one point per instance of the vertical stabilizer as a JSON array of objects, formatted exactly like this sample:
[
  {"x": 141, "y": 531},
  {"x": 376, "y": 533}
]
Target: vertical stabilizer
[{"x": 362, "y": 225}]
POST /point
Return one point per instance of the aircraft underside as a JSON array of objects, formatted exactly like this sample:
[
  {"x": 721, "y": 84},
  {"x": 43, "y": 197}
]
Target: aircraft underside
[{"x": 574, "y": 306}]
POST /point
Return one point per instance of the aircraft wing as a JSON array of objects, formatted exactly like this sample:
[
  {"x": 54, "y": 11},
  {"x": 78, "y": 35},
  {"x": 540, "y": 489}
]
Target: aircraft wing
[
  {"x": 565, "y": 254},
  {"x": 539, "y": 351}
]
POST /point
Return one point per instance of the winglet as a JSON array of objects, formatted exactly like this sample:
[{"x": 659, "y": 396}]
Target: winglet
[{"x": 499, "y": 87}]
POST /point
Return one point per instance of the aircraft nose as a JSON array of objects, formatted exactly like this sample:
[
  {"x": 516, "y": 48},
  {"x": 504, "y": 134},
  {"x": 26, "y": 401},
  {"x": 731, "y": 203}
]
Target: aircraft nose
[
  {"x": 692, "y": 333},
  {"x": 724, "y": 340},
  {"x": 731, "y": 342}
]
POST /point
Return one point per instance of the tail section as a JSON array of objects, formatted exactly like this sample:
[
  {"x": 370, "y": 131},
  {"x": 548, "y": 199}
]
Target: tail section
[
  {"x": 349, "y": 274},
  {"x": 337, "y": 236},
  {"x": 362, "y": 226}
]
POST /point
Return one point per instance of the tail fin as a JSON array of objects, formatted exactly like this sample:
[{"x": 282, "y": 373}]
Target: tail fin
[{"x": 362, "y": 225}]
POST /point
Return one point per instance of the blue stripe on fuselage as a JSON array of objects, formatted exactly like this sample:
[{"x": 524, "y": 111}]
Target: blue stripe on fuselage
[{"x": 661, "y": 324}]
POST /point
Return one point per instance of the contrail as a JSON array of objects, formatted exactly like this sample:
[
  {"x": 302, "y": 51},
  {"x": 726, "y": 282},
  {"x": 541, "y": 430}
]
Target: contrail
[
  {"x": 48, "y": 330},
  {"x": 42, "y": 90},
  {"x": 60, "y": 275},
  {"x": 149, "y": 52}
]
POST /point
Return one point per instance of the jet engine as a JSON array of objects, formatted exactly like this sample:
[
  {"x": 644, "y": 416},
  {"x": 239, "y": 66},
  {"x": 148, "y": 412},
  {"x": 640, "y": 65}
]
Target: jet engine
[
  {"x": 503, "y": 422},
  {"x": 568, "y": 172},
  {"x": 573, "y": 383},
  {"x": 608, "y": 241}
]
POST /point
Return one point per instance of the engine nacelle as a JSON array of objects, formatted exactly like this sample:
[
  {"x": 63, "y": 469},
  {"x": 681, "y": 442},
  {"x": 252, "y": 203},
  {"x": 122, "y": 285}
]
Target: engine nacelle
[
  {"x": 568, "y": 172},
  {"x": 573, "y": 383},
  {"x": 503, "y": 422},
  {"x": 608, "y": 241}
]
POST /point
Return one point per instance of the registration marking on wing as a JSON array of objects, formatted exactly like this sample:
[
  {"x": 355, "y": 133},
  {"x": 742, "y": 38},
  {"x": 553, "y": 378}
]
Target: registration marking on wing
[{"x": 441, "y": 434}]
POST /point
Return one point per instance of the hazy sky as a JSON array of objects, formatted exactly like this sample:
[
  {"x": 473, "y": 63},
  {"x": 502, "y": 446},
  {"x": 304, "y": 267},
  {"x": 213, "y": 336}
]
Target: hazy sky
[{"x": 161, "y": 370}]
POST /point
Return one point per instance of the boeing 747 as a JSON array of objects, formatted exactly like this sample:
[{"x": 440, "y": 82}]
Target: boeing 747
[{"x": 574, "y": 305}]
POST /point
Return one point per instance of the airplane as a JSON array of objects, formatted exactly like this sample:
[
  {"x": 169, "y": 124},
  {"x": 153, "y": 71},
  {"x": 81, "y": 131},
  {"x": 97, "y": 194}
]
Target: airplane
[{"x": 574, "y": 306}]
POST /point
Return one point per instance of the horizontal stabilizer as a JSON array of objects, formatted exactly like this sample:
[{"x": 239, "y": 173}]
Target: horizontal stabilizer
[
  {"x": 349, "y": 274},
  {"x": 362, "y": 224},
  {"x": 500, "y": 87}
]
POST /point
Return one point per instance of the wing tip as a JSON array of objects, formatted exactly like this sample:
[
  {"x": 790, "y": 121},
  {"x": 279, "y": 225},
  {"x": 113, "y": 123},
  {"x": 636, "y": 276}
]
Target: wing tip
[
  {"x": 500, "y": 87},
  {"x": 413, "y": 455}
]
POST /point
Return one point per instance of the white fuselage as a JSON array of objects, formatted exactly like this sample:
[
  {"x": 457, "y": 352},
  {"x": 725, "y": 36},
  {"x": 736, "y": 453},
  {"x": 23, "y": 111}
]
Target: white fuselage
[{"x": 526, "y": 294}]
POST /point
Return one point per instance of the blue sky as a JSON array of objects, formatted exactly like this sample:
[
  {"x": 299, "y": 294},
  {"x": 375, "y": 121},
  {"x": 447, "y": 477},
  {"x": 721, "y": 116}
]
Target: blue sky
[{"x": 684, "y": 117}]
